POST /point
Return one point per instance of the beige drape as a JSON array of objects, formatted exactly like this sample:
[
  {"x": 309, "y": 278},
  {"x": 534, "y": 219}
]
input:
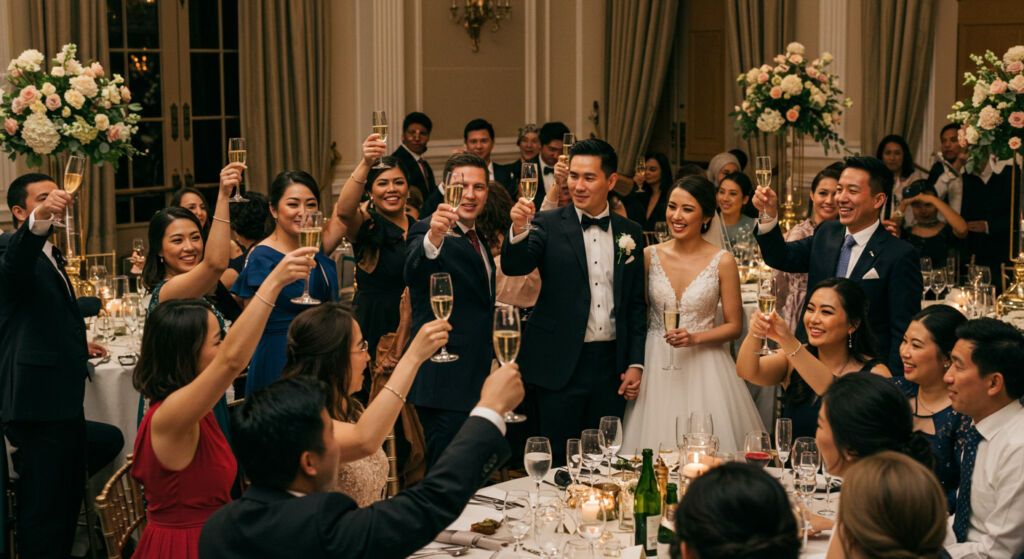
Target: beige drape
[
  {"x": 52, "y": 24},
  {"x": 640, "y": 37},
  {"x": 756, "y": 31},
  {"x": 284, "y": 56},
  {"x": 897, "y": 64}
]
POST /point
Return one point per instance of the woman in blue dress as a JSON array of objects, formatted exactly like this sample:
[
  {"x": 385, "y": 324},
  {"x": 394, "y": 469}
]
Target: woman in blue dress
[{"x": 291, "y": 194}]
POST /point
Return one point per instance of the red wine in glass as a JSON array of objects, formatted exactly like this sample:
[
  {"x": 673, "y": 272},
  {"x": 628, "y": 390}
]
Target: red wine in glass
[{"x": 759, "y": 459}]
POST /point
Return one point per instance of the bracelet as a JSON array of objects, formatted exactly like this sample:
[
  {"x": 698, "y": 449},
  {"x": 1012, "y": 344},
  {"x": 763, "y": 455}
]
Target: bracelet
[
  {"x": 395, "y": 392},
  {"x": 793, "y": 353},
  {"x": 215, "y": 218},
  {"x": 268, "y": 303},
  {"x": 357, "y": 181}
]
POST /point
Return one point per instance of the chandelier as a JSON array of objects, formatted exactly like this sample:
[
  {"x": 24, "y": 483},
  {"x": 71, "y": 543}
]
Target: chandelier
[{"x": 477, "y": 13}]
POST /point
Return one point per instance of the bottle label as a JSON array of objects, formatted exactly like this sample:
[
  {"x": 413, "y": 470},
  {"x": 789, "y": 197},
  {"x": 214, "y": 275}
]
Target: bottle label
[
  {"x": 651, "y": 537},
  {"x": 664, "y": 550}
]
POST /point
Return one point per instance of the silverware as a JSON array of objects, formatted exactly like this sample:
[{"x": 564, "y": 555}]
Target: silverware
[{"x": 454, "y": 551}]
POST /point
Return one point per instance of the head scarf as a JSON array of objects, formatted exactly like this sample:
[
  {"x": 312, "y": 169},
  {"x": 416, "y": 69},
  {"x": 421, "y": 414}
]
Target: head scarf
[{"x": 719, "y": 161}]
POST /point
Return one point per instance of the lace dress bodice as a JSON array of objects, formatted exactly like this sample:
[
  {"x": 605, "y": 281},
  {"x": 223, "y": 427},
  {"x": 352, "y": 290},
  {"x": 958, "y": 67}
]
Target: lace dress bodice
[{"x": 698, "y": 304}]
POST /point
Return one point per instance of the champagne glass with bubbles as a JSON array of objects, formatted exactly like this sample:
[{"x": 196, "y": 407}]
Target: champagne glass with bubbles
[
  {"x": 671, "y": 315},
  {"x": 380, "y": 127},
  {"x": 442, "y": 299},
  {"x": 766, "y": 291},
  {"x": 236, "y": 154},
  {"x": 926, "y": 273},
  {"x": 310, "y": 228},
  {"x": 528, "y": 186},
  {"x": 73, "y": 173},
  {"x": 506, "y": 335},
  {"x": 641, "y": 172},
  {"x": 763, "y": 173},
  {"x": 453, "y": 196}
]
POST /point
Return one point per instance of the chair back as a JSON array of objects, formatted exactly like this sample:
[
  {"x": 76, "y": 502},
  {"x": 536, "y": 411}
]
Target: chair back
[
  {"x": 1005, "y": 275},
  {"x": 108, "y": 259},
  {"x": 122, "y": 510},
  {"x": 650, "y": 238}
]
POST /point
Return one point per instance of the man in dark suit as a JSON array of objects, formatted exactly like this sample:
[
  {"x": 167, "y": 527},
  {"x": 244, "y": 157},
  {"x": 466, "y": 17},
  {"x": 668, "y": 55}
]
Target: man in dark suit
[
  {"x": 415, "y": 134},
  {"x": 479, "y": 138},
  {"x": 856, "y": 247},
  {"x": 286, "y": 444},
  {"x": 987, "y": 206},
  {"x": 445, "y": 392},
  {"x": 583, "y": 345},
  {"x": 551, "y": 136},
  {"x": 43, "y": 352}
]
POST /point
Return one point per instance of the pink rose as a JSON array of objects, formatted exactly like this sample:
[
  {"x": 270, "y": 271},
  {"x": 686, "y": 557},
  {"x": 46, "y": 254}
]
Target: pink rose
[
  {"x": 812, "y": 72},
  {"x": 780, "y": 58},
  {"x": 762, "y": 78},
  {"x": 997, "y": 87},
  {"x": 87, "y": 72},
  {"x": 1017, "y": 84},
  {"x": 16, "y": 73},
  {"x": 1014, "y": 143},
  {"x": 18, "y": 106},
  {"x": 113, "y": 133},
  {"x": 126, "y": 95},
  {"x": 29, "y": 94},
  {"x": 53, "y": 102},
  {"x": 823, "y": 77},
  {"x": 796, "y": 58},
  {"x": 97, "y": 69},
  {"x": 792, "y": 115},
  {"x": 961, "y": 137},
  {"x": 776, "y": 92},
  {"x": 11, "y": 126},
  {"x": 1016, "y": 119},
  {"x": 1015, "y": 67},
  {"x": 989, "y": 118}
]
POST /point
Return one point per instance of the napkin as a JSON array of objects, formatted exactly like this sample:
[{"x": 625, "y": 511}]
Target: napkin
[{"x": 462, "y": 537}]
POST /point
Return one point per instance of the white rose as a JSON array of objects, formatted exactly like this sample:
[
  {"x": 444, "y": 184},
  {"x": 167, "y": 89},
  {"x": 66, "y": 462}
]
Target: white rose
[
  {"x": 827, "y": 58},
  {"x": 40, "y": 133},
  {"x": 31, "y": 60},
  {"x": 980, "y": 92},
  {"x": 85, "y": 85},
  {"x": 627, "y": 243},
  {"x": 769, "y": 121},
  {"x": 794, "y": 48},
  {"x": 1014, "y": 54},
  {"x": 57, "y": 71},
  {"x": 74, "y": 98},
  {"x": 972, "y": 135},
  {"x": 752, "y": 75},
  {"x": 102, "y": 122},
  {"x": 791, "y": 85},
  {"x": 48, "y": 89},
  {"x": 73, "y": 66}
]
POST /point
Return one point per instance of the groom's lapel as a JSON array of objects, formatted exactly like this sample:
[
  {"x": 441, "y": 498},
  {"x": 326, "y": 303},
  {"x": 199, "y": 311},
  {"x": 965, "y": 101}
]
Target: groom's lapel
[
  {"x": 571, "y": 228},
  {"x": 616, "y": 227}
]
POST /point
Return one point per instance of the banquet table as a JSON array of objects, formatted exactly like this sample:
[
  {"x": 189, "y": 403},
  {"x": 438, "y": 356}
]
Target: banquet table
[{"x": 109, "y": 395}]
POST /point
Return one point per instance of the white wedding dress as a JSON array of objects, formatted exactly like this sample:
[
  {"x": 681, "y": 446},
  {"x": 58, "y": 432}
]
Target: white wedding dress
[{"x": 706, "y": 380}]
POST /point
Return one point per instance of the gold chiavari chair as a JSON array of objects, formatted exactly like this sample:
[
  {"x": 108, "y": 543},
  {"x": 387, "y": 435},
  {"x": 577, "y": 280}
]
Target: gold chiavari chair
[
  {"x": 1006, "y": 275},
  {"x": 122, "y": 510}
]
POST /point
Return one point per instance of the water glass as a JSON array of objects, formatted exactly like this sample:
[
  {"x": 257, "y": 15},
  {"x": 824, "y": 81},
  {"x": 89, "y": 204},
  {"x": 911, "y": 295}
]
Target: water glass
[
  {"x": 611, "y": 429},
  {"x": 592, "y": 450},
  {"x": 573, "y": 459},
  {"x": 537, "y": 459},
  {"x": 518, "y": 515}
]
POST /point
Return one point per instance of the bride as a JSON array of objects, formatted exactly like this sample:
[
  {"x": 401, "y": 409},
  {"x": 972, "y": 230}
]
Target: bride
[{"x": 692, "y": 275}]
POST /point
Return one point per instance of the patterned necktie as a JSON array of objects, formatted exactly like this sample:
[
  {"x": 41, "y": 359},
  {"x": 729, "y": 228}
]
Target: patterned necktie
[
  {"x": 844, "y": 256},
  {"x": 963, "y": 496}
]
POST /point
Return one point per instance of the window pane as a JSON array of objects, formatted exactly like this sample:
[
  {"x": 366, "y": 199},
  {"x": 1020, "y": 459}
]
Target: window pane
[
  {"x": 205, "y": 84},
  {"x": 117, "y": 63},
  {"x": 148, "y": 166},
  {"x": 229, "y": 11},
  {"x": 146, "y": 205},
  {"x": 233, "y": 127},
  {"x": 122, "y": 208},
  {"x": 231, "y": 84},
  {"x": 121, "y": 175},
  {"x": 202, "y": 24},
  {"x": 208, "y": 150},
  {"x": 143, "y": 24},
  {"x": 115, "y": 20},
  {"x": 144, "y": 81}
]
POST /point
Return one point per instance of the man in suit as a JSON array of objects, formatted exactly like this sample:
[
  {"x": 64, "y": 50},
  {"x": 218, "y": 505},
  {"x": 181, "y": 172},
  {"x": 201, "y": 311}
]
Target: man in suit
[
  {"x": 445, "y": 392},
  {"x": 551, "y": 136},
  {"x": 415, "y": 134},
  {"x": 479, "y": 138},
  {"x": 286, "y": 444},
  {"x": 946, "y": 175},
  {"x": 987, "y": 204},
  {"x": 856, "y": 247},
  {"x": 43, "y": 352},
  {"x": 583, "y": 345}
]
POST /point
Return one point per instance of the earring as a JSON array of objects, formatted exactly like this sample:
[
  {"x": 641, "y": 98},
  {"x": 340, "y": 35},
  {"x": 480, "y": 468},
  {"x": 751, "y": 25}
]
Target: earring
[{"x": 849, "y": 341}]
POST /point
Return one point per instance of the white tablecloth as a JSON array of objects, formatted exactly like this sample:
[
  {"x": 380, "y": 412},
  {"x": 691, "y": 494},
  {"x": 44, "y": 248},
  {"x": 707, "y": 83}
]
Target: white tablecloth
[{"x": 111, "y": 398}]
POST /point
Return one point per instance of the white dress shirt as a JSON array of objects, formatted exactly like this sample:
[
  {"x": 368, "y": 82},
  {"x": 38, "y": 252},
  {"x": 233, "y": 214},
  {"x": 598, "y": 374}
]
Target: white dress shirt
[
  {"x": 548, "y": 179},
  {"x": 490, "y": 170},
  {"x": 433, "y": 252},
  {"x": 997, "y": 489},
  {"x": 950, "y": 188},
  {"x": 861, "y": 237},
  {"x": 599, "y": 246},
  {"x": 41, "y": 227}
]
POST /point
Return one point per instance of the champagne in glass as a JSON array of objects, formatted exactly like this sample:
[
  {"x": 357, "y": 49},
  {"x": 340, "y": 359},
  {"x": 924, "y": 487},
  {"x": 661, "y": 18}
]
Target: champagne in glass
[
  {"x": 506, "y": 335},
  {"x": 528, "y": 186},
  {"x": 641, "y": 172},
  {"x": 73, "y": 172},
  {"x": 764, "y": 180},
  {"x": 236, "y": 154},
  {"x": 568, "y": 139},
  {"x": 671, "y": 314},
  {"x": 310, "y": 228},
  {"x": 453, "y": 196},
  {"x": 380, "y": 126},
  {"x": 926, "y": 274},
  {"x": 766, "y": 292},
  {"x": 442, "y": 300}
]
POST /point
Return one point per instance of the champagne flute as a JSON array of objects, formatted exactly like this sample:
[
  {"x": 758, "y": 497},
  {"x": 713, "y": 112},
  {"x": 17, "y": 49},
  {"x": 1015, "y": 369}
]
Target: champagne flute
[
  {"x": 611, "y": 429},
  {"x": 506, "y": 336},
  {"x": 528, "y": 186},
  {"x": 591, "y": 450},
  {"x": 380, "y": 127},
  {"x": 662, "y": 232},
  {"x": 757, "y": 448},
  {"x": 926, "y": 273},
  {"x": 783, "y": 440},
  {"x": 827, "y": 511},
  {"x": 442, "y": 299},
  {"x": 805, "y": 472},
  {"x": 669, "y": 454},
  {"x": 537, "y": 459},
  {"x": 939, "y": 281},
  {"x": 766, "y": 291},
  {"x": 518, "y": 516},
  {"x": 73, "y": 172},
  {"x": 310, "y": 227},
  {"x": 671, "y": 315},
  {"x": 573, "y": 459},
  {"x": 641, "y": 170},
  {"x": 764, "y": 180},
  {"x": 236, "y": 154},
  {"x": 138, "y": 258},
  {"x": 568, "y": 139},
  {"x": 453, "y": 196}
]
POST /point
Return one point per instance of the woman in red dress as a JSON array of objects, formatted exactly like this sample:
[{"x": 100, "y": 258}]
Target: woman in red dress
[{"x": 182, "y": 459}]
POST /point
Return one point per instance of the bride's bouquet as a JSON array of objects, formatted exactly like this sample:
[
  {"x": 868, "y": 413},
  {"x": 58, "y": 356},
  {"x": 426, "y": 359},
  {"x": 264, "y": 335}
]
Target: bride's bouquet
[
  {"x": 794, "y": 94},
  {"x": 71, "y": 107}
]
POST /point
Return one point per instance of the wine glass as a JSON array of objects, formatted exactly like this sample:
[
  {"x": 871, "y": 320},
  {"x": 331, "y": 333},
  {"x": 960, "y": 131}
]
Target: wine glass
[
  {"x": 662, "y": 232},
  {"x": 453, "y": 196},
  {"x": 310, "y": 226},
  {"x": 547, "y": 525},
  {"x": 236, "y": 154},
  {"x": 573, "y": 459},
  {"x": 73, "y": 173},
  {"x": 506, "y": 335},
  {"x": 766, "y": 291},
  {"x": 442, "y": 299},
  {"x": 783, "y": 440},
  {"x": 939, "y": 281},
  {"x": 926, "y": 273},
  {"x": 671, "y": 315},
  {"x": 138, "y": 258},
  {"x": 528, "y": 186},
  {"x": 537, "y": 459},
  {"x": 805, "y": 471},
  {"x": 827, "y": 511},
  {"x": 380, "y": 127},
  {"x": 105, "y": 327},
  {"x": 757, "y": 447},
  {"x": 669, "y": 453},
  {"x": 700, "y": 422},
  {"x": 764, "y": 180},
  {"x": 641, "y": 171},
  {"x": 591, "y": 516},
  {"x": 518, "y": 515},
  {"x": 611, "y": 429},
  {"x": 982, "y": 276},
  {"x": 591, "y": 448}
]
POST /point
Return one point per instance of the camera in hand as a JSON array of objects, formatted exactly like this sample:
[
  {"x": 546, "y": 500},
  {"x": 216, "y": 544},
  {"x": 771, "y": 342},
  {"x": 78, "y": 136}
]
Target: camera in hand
[{"x": 914, "y": 188}]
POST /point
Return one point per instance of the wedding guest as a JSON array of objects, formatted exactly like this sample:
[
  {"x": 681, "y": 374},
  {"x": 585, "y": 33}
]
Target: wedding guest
[
  {"x": 931, "y": 236},
  {"x": 988, "y": 193},
  {"x": 325, "y": 343},
  {"x": 840, "y": 342},
  {"x": 181, "y": 457},
  {"x": 925, "y": 352},
  {"x": 736, "y": 511},
  {"x": 892, "y": 508},
  {"x": 895, "y": 153},
  {"x": 193, "y": 200},
  {"x": 414, "y": 204},
  {"x": 689, "y": 169},
  {"x": 986, "y": 384},
  {"x": 289, "y": 447},
  {"x": 792, "y": 287},
  {"x": 946, "y": 175},
  {"x": 721, "y": 166},
  {"x": 648, "y": 207},
  {"x": 518, "y": 291},
  {"x": 249, "y": 221},
  {"x": 478, "y": 136},
  {"x": 733, "y": 195},
  {"x": 741, "y": 157},
  {"x": 416, "y": 130},
  {"x": 528, "y": 143},
  {"x": 291, "y": 194},
  {"x": 552, "y": 135}
]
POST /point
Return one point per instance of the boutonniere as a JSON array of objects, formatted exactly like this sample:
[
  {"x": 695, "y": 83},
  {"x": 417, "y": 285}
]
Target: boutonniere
[{"x": 626, "y": 246}]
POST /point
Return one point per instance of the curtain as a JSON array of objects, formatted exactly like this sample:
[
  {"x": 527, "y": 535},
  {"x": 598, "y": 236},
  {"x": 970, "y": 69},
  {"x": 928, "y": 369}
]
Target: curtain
[
  {"x": 756, "y": 30},
  {"x": 897, "y": 65},
  {"x": 51, "y": 25},
  {"x": 640, "y": 35},
  {"x": 284, "y": 59}
]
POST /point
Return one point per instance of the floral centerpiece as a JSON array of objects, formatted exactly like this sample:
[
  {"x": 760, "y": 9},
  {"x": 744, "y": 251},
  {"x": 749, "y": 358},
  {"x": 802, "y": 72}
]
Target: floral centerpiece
[
  {"x": 992, "y": 121},
  {"x": 70, "y": 107},
  {"x": 793, "y": 95}
]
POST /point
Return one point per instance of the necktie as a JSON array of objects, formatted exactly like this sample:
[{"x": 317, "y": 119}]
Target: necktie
[
  {"x": 549, "y": 170},
  {"x": 588, "y": 222},
  {"x": 844, "y": 256},
  {"x": 473, "y": 238},
  {"x": 423, "y": 167},
  {"x": 963, "y": 495}
]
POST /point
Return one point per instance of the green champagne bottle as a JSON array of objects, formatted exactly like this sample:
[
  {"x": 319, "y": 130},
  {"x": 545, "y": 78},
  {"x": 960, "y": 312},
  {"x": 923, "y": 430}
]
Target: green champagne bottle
[
  {"x": 647, "y": 508},
  {"x": 667, "y": 530}
]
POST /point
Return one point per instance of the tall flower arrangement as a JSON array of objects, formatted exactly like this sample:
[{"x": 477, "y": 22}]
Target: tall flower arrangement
[
  {"x": 794, "y": 94},
  {"x": 71, "y": 106},
  {"x": 992, "y": 120}
]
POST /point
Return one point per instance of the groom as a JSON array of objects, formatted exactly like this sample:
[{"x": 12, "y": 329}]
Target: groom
[{"x": 583, "y": 346}]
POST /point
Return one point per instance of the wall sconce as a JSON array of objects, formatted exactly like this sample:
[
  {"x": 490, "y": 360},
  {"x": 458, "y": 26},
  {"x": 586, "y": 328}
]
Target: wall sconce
[{"x": 477, "y": 13}]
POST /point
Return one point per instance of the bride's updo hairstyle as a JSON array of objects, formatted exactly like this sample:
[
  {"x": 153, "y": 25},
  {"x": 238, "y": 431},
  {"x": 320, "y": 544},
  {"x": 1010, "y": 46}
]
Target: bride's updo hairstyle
[
  {"x": 737, "y": 511},
  {"x": 704, "y": 192}
]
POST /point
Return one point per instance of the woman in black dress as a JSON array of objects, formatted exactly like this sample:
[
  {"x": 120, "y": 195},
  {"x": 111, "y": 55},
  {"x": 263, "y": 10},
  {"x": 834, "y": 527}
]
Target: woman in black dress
[
  {"x": 931, "y": 236},
  {"x": 648, "y": 207}
]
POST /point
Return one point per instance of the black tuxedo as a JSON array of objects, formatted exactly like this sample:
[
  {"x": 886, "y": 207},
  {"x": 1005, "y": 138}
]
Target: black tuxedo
[
  {"x": 269, "y": 523},
  {"x": 515, "y": 168},
  {"x": 893, "y": 298},
  {"x": 431, "y": 202},
  {"x": 503, "y": 176},
  {"x": 451, "y": 388},
  {"x": 425, "y": 183},
  {"x": 989, "y": 202},
  {"x": 555, "y": 362},
  {"x": 43, "y": 356}
]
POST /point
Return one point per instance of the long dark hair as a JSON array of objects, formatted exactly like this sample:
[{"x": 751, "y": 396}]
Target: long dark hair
[
  {"x": 704, "y": 192},
  {"x": 388, "y": 163},
  {"x": 941, "y": 321},
  {"x": 494, "y": 221},
  {"x": 747, "y": 190},
  {"x": 833, "y": 171},
  {"x": 665, "y": 183},
  {"x": 737, "y": 511},
  {"x": 907, "y": 167},
  {"x": 171, "y": 341},
  {"x": 154, "y": 271},
  {"x": 320, "y": 346},
  {"x": 869, "y": 414},
  {"x": 176, "y": 201}
]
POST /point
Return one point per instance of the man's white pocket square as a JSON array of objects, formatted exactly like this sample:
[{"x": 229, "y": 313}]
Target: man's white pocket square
[
  {"x": 630, "y": 259},
  {"x": 872, "y": 274}
]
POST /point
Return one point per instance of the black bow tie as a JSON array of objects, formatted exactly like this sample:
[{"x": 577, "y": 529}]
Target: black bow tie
[
  {"x": 549, "y": 170},
  {"x": 588, "y": 222}
]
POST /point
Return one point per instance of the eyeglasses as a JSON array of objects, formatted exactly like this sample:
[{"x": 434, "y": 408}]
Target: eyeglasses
[{"x": 363, "y": 346}]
